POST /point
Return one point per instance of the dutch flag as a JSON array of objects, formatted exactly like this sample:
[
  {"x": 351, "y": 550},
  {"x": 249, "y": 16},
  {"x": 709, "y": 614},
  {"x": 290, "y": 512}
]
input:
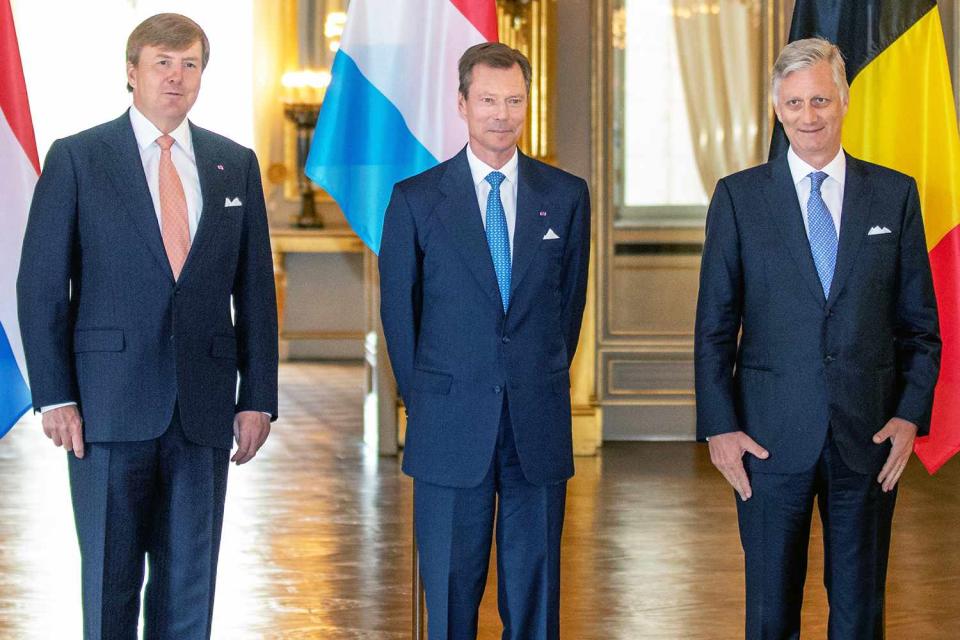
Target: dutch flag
[
  {"x": 19, "y": 169},
  {"x": 391, "y": 109}
]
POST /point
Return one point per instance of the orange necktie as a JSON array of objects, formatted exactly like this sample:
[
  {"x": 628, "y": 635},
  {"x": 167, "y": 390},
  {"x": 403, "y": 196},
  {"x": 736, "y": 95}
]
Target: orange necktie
[{"x": 174, "y": 226}]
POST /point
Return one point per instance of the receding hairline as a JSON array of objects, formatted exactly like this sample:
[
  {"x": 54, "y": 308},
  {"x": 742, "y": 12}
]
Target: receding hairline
[
  {"x": 494, "y": 55},
  {"x": 169, "y": 31},
  {"x": 806, "y": 54},
  {"x": 515, "y": 67}
]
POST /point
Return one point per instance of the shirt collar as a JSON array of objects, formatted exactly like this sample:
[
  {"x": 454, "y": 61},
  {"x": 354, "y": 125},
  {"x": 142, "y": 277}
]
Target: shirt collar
[
  {"x": 836, "y": 168},
  {"x": 480, "y": 169},
  {"x": 147, "y": 133}
]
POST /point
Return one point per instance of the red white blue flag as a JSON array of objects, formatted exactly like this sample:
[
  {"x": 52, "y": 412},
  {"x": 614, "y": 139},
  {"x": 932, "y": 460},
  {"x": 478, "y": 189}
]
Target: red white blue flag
[
  {"x": 19, "y": 169},
  {"x": 391, "y": 109}
]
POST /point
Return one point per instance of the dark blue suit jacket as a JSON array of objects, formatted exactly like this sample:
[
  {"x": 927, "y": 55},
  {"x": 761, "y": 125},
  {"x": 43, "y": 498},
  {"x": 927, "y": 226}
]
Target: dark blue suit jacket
[
  {"x": 868, "y": 353},
  {"x": 103, "y": 321},
  {"x": 454, "y": 352}
]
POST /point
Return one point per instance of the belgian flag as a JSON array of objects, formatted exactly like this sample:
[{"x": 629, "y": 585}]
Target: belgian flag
[{"x": 902, "y": 116}]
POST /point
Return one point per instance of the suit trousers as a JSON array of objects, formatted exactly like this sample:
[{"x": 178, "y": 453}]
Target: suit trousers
[
  {"x": 454, "y": 530},
  {"x": 775, "y": 533},
  {"x": 159, "y": 500}
]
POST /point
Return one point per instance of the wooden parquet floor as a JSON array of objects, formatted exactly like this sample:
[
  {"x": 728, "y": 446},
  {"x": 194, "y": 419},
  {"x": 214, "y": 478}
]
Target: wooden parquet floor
[{"x": 316, "y": 540}]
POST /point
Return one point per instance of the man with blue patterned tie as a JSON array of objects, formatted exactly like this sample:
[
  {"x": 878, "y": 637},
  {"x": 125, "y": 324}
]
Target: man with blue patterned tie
[
  {"x": 817, "y": 261},
  {"x": 483, "y": 276}
]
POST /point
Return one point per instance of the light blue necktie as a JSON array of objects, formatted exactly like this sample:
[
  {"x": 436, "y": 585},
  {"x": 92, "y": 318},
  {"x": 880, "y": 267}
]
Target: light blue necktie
[
  {"x": 497, "y": 237},
  {"x": 822, "y": 233}
]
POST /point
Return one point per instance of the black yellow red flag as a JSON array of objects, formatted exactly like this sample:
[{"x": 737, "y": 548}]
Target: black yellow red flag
[{"x": 902, "y": 116}]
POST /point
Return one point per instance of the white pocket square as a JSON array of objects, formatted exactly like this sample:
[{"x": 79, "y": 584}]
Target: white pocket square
[
  {"x": 877, "y": 231},
  {"x": 235, "y": 202},
  {"x": 551, "y": 235}
]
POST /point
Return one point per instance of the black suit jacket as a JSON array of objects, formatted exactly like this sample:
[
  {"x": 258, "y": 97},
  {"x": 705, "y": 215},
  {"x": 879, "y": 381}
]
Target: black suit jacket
[
  {"x": 103, "y": 321},
  {"x": 868, "y": 353},
  {"x": 454, "y": 352}
]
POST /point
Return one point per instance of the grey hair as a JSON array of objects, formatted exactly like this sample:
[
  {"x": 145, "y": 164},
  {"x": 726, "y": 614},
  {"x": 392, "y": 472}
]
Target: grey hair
[{"x": 803, "y": 54}]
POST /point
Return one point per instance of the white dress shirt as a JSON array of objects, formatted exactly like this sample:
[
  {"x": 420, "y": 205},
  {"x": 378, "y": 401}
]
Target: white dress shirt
[
  {"x": 183, "y": 159},
  {"x": 831, "y": 189},
  {"x": 508, "y": 189}
]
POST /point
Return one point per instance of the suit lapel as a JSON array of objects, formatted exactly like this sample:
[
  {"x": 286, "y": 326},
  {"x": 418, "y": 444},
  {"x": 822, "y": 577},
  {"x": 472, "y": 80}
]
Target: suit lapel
[
  {"x": 854, "y": 223},
  {"x": 781, "y": 195},
  {"x": 125, "y": 169},
  {"x": 529, "y": 229},
  {"x": 460, "y": 215},
  {"x": 211, "y": 190}
]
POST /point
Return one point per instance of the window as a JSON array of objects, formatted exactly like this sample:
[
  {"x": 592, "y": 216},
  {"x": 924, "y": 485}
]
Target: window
[{"x": 685, "y": 90}]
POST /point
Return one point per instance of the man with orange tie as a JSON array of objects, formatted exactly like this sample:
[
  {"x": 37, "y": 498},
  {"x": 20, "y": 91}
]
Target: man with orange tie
[{"x": 144, "y": 233}]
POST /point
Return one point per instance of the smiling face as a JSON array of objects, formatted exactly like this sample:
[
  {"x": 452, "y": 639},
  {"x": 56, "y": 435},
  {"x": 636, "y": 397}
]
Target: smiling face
[
  {"x": 166, "y": 84},
  {"x": 811, "y": 110},
  {"x": 494, "y": 109}
]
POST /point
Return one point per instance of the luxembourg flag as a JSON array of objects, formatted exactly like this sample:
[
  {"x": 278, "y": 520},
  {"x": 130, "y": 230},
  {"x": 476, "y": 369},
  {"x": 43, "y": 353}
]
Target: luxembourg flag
[
  {"x": 19, "y": 168},
  {"x": 391, "y": 109}
]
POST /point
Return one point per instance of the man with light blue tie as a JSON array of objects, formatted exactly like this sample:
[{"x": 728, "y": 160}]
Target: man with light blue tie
[
  {"x": 483, "y": 275},
  {"x": 817, "y": 350}
]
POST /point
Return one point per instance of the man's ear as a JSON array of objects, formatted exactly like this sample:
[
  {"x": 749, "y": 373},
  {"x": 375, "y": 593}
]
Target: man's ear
[{"x": 131, "y": 74}]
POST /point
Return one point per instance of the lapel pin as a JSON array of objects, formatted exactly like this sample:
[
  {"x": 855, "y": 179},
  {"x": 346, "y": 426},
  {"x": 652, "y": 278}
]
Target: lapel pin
[
  {"x": 543, "y": 214},
  {"x": 220, "y": 167}
]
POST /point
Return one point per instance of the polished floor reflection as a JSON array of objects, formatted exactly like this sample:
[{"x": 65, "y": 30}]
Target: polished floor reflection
[{"x": 316, "y": 540}]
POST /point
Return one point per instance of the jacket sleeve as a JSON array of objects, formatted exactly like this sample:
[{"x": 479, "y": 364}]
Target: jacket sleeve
[
  {"x": 719, "y": 312},
  {"x": 255, "y": 304},
  {"x": 49, "y": 269},
  {"x": 917, "y": 328},
  {"x": 400, "y": 288},
  {"x": 576, "y": 267}
]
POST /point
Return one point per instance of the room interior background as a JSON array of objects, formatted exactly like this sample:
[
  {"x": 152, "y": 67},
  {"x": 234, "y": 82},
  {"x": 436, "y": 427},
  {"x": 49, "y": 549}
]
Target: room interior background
[{"x": 651, "y": 100}]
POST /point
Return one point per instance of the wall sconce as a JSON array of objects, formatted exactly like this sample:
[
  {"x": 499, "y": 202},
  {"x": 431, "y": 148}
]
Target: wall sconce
[
  {"x": 333, "y": 28},
  {"x": 302, "y": 96}
]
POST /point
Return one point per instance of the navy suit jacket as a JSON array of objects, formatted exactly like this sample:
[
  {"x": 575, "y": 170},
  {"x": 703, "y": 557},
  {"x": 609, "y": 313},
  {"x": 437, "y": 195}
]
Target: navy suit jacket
[
  {"x": 454, "y": 352},
  {"x": 102, "y": 319},
  {"x": 802, "y": 364}
]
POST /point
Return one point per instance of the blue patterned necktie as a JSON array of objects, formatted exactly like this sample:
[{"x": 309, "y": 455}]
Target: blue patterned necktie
[
  {"x": 497, "y": 237},
  {"x": 822, "y": 233}
]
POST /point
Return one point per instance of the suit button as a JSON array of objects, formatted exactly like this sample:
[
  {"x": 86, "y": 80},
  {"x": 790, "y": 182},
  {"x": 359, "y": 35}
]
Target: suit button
[
  {"x": 828, "y": 359},
  {"x": 497, "y": 388},
  {"x": 505, "y": 340}
]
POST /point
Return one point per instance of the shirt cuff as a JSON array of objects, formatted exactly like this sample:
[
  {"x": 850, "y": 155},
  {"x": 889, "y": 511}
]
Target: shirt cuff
[{"x": 57, "y": 406}]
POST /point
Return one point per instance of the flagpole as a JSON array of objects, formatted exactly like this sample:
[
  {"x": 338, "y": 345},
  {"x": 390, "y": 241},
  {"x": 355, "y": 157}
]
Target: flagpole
[{"x": 416, "y": 590}]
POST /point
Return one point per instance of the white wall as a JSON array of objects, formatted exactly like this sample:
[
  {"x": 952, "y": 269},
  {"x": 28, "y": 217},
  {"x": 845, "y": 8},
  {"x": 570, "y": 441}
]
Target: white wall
[{"x": 74, "y": 51}]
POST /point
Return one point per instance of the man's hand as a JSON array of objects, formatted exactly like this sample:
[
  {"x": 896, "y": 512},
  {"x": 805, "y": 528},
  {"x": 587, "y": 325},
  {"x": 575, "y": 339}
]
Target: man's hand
[
  {"x": 250, "y": 430},
  {"x": 726, "y": 453},
  {"x": 901, "y": 434},
  {"x": 64, "y": 426}
]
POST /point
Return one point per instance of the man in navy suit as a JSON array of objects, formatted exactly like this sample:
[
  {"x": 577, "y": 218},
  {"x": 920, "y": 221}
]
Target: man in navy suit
[
  {"x": 818, "y": 262},
  {"x": 143, "y": 233},
  {"x": 483, "y": 275}
]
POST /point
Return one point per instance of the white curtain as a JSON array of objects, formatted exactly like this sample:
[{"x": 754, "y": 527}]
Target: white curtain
[{"x": 719, "y": 45}]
